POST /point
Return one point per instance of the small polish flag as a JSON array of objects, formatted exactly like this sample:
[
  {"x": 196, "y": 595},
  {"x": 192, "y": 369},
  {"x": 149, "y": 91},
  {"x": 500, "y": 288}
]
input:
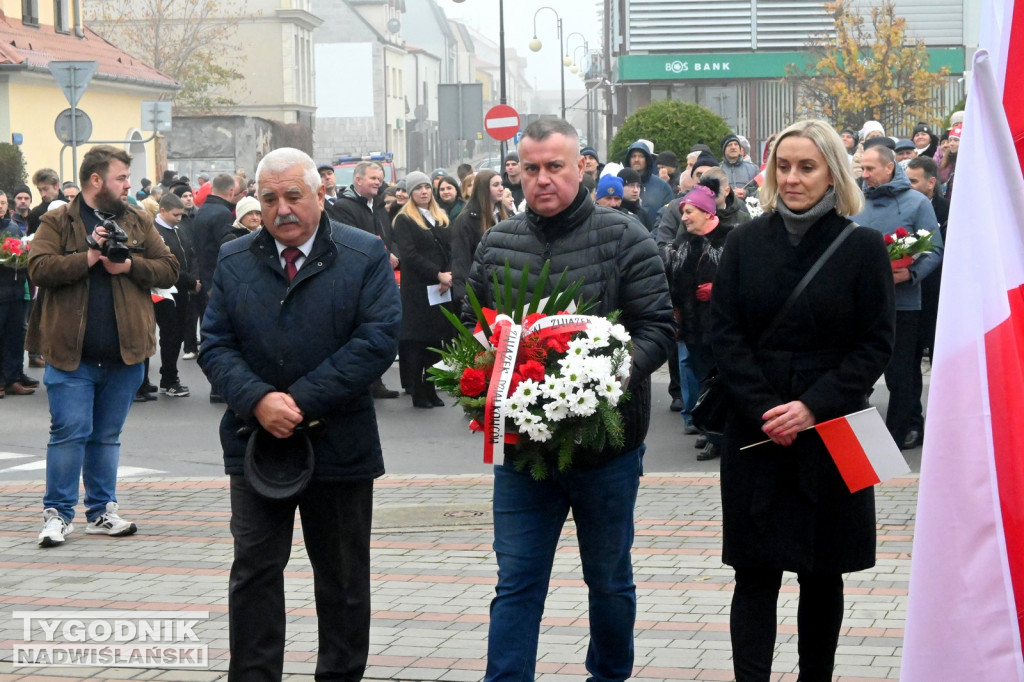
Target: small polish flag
[{"x": 863, "y": 449}]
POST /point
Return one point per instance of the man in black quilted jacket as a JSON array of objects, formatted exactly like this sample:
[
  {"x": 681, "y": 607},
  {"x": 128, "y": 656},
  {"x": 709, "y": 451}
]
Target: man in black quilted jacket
[{"x": 618, "y": 262}]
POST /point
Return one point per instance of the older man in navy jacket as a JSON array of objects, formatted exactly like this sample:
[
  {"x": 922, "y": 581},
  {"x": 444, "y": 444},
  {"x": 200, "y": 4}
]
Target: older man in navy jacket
[{"x": 303, "y": 317}]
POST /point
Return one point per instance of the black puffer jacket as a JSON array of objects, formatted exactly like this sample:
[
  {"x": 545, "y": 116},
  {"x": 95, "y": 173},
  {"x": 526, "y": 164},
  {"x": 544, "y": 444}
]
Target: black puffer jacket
[{"x": 621, "y": 270}]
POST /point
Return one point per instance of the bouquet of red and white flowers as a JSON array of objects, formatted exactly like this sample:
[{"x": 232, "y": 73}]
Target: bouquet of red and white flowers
[
  {"x": 14, "y": 250},
  {"x": 546, "y": 381},
  {"x": 903, "y": 244}
]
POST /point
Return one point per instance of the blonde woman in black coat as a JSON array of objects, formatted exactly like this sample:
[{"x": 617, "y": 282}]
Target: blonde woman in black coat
[
  {"x": 420, "y": 233},
  {"x": 785, "y": 506}
]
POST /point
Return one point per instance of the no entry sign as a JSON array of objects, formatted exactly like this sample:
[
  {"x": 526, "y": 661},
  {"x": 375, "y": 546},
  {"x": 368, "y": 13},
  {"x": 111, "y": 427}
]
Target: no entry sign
[{"x": 501, "y": 122}]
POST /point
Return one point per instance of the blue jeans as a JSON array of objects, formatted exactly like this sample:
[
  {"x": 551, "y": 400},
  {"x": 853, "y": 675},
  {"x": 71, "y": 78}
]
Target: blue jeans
[
  {"x": 689, "y": 385},
  {"x": 87, "y": 411},
  {"x": 528, "y": 519}
]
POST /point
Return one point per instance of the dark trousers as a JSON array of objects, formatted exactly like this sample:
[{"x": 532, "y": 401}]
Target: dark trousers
[
  {"x": 753, "y": 621},
  {"x": 419, "y": 359},
  {"x": 191, "y": 333},
  {"x": 336, "y": 526},
  {"x": 903, "y": 377},
  {"x": 675, "y": 391},
  {"x": 12, "y": 340},
  {"x": 171, "y": 318}
]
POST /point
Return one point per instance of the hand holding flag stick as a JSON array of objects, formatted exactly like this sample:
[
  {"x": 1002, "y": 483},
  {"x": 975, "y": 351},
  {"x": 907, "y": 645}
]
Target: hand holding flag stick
[{"x": 861, "y": 447}]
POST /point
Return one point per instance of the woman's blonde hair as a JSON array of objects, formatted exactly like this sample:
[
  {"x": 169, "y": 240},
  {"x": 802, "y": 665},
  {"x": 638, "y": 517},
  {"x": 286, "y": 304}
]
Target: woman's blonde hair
[
  {"x": 413, "y": 211},
  {"x": 849, "y": 200}
]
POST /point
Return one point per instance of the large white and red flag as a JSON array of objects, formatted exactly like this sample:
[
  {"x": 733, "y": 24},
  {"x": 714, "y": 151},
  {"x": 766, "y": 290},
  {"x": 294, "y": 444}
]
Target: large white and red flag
[{"x": 966, "y": 601}]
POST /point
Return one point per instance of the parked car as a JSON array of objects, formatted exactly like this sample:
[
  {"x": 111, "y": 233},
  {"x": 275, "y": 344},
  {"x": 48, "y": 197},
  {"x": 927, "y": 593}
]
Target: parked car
[
  {"x": 492, "y": 162},
  {"x": 345, "y": 167}
]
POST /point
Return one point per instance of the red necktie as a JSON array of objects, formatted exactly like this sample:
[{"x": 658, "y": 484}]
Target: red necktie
[{"x": 290, "y": 255}]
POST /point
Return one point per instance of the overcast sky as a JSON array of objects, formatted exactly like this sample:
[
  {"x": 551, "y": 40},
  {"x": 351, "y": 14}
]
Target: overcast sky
[{"x": 577, "y": 15}]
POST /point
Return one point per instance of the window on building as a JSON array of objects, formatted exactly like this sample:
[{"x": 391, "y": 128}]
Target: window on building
[
  {"x": 61, "y": 16},
  {"x": 30, "y": 12}
]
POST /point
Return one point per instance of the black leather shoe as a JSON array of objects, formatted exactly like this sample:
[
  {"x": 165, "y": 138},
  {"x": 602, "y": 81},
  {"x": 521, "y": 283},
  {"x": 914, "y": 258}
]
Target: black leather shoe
[
  {"x": 710, "y": 452},
  {"x": 422, "y": 402},
  {"x": 216, "y": 397},
  {"x": 914, "y": 439},
  {"x": 676, "y": 405},
  {"x": 701, "y": 442},
  {"x": 436, "y": 401},
  {"x": 28, "y": 382}
]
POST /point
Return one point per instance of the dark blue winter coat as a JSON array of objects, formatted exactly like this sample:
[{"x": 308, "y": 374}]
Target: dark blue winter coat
[
  {"x": 654, "y": 192},
  {"x": 323, "y": 338}
]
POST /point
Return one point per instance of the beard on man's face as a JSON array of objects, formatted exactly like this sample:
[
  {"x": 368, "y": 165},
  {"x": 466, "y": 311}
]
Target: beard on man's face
[{"x": 108, "y": 202}]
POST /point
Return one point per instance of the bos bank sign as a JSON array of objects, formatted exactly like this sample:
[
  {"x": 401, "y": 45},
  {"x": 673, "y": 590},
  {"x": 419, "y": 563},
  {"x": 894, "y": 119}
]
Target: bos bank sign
[{"x": 736, "y": 65}]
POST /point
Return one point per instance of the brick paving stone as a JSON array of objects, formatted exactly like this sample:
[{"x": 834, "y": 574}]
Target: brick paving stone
[{"x": 432, "y": 584}]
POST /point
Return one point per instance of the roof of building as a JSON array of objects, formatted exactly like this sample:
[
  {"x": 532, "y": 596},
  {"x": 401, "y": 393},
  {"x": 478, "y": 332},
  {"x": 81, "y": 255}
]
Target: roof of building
[{"x": 34, "y": 47}]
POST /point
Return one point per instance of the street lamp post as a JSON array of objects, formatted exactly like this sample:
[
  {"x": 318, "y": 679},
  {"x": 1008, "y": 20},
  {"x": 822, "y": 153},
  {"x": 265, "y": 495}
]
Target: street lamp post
[
  {"x": 535, "y": 46},
  {"x": 583, "y": 67},
  {"x": 502, "y": 97}
]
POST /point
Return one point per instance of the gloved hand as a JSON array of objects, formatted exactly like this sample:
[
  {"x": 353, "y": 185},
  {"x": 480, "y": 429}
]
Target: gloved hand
[{"x": 704, "y": 292}]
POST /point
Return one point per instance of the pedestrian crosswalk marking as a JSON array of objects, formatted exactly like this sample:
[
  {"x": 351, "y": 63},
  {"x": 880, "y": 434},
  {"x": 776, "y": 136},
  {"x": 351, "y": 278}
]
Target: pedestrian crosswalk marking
[{"x": 40, "y": 465}]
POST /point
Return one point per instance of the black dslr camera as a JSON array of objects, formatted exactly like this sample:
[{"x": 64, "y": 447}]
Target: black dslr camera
[{"x": 113, "y": 247}]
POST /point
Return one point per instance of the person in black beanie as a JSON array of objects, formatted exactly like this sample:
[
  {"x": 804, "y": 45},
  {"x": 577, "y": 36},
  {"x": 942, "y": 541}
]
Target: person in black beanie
[
  {"x": 668, "y": 169},
  {"x": 592, "y": 165},
  {"x": 512, "y": 177},
  {"x": 925, "y": 140},
  {"x": 631, "y": 196}
]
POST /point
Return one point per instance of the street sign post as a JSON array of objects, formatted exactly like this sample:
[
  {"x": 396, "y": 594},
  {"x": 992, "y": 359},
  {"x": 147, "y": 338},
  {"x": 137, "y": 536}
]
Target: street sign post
[
  {"x": 73, "y": 77},
  {"x": 73, "y": 131},
  {"x": 156, "y": 116},
  {"x": 501, "y": 122}
]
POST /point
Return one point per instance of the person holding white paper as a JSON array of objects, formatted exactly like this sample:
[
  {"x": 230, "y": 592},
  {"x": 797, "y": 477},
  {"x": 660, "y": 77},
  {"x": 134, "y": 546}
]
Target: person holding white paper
[
  {"x": 420, "y": 233},
  {"x": 794, "y": 351}
]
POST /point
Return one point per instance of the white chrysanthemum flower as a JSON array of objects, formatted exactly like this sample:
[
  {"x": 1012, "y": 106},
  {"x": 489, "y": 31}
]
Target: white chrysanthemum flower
[
  {"x": 524, "y": 418},
  {"x": 923, "y": 233},
  {"x": 553, "y": 387},
  {"x": 598, "y": 332},
  {"x": 910, "y": 241},
  {"x": 443, "y": 366},
  {"x": 579, "y": 348},
  {"x": 610, "y": 389},
  {"x": 556, "y": 410},
  {"x": 619, "y": 333},
  {"x": 571, "y": 364},
  {"x": 597, "y": 366},
  {"x": 583, "y": 403},
  {"x": 573, "y": 376},
  {"x": 527, "y": 391},
  {"x": 514, "y": 405},
  {"x": 539, "y": 432}
]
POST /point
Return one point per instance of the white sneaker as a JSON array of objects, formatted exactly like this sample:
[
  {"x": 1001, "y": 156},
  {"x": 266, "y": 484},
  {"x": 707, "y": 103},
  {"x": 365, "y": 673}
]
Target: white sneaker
[
  {"x": 109, "y": 523},
  {"x": 55, "y": 529},
  {"x": 188, "y": 356}
]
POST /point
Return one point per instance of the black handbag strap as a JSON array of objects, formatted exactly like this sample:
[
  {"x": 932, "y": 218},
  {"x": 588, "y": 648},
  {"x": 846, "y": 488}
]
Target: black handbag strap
[{"x": 802, "y": 284}]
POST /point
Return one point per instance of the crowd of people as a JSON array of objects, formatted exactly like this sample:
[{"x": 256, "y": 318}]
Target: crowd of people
[{"x": 712, "y": 264}]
